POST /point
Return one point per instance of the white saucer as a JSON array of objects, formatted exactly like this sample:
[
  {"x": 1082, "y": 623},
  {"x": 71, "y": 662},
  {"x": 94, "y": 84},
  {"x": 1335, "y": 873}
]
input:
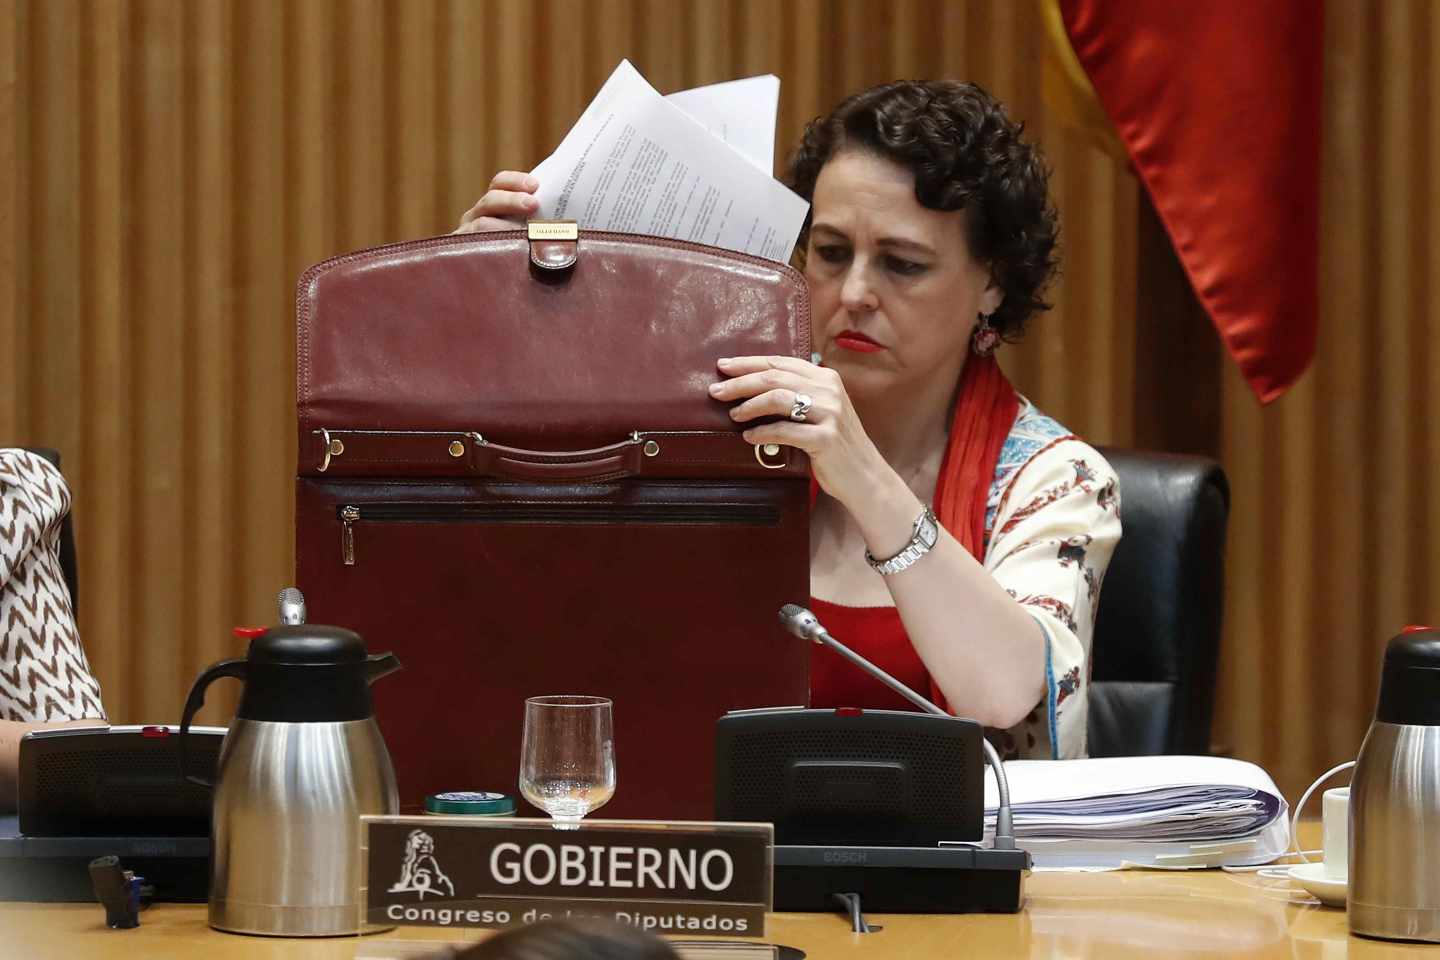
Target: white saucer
[{"x": 1328, "y": 890}]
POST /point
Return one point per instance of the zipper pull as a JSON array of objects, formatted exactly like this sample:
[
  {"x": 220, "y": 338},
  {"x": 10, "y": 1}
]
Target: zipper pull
[{"x": 347, "y": 534}]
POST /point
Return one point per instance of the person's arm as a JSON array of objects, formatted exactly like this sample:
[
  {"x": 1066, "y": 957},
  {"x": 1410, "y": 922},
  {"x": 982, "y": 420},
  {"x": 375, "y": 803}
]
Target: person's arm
[
  {"x": 10, "y": 733},
  {"x": 1026, "y": 615},
  {"x": 987, "y": 648},
  {"x": 995, "y": 672}
]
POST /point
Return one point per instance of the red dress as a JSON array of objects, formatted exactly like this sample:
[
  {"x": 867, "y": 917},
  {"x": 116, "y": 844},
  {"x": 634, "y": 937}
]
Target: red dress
[{"x": 878, "y": 635}]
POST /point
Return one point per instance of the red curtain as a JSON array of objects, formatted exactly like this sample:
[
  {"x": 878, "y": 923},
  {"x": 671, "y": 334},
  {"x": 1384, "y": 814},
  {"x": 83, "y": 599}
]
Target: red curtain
[{"x": 1218, "y": 103}]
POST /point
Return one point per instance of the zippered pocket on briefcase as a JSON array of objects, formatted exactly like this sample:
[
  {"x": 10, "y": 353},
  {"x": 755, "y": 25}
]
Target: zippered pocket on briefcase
[{"x": 560, "y": 513}]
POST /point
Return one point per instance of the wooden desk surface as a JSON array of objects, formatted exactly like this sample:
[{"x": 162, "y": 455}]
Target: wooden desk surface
[{"x": 1098, "y": 915}]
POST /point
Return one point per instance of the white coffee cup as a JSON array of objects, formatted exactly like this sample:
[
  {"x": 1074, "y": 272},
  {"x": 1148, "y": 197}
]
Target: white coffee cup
[{"x": 1337, "y": 832}]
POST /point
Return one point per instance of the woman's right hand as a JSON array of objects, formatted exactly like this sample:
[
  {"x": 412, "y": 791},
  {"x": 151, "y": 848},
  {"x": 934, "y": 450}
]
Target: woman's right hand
[{"x": 506, "y": 205}]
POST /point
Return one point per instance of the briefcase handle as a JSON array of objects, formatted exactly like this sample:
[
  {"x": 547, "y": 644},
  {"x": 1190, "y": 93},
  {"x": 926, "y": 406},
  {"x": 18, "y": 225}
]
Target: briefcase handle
[
  {"x": 621, "y": 459},
  {"x": 466, "y": 453}
]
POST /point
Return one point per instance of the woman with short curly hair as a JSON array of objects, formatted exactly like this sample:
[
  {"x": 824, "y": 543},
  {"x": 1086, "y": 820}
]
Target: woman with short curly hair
[
  {"x": 965, "y": 154},
  {"x": 958, "y": 535}
]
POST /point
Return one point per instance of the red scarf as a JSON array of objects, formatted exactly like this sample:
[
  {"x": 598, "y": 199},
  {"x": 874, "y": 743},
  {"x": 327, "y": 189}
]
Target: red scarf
[{"x": 985, "y": 409}]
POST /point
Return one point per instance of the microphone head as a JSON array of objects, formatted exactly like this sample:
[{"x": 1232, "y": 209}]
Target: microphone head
[
  {"x": 292, "y": 606},
  {"x": 801, "y": 622}
]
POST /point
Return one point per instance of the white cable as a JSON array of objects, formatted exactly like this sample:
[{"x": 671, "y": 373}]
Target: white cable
[
  {"x": 1260, "y": 867},
  {"x": 1295, "y": 820},
  {"x": 1279, "y": 889}
]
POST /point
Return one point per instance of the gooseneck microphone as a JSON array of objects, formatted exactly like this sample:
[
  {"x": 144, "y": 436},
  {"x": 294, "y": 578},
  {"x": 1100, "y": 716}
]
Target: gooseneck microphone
[{"x": 805, "y": 625}]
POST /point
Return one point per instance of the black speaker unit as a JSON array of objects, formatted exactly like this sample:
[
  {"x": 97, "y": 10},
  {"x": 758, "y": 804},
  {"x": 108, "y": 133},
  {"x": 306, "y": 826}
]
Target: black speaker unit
[
  {"x": 113, "y": 782},
  {"x": 883, "y": 807},
  {"x": 885, "y": 778},
  {"x": 88, "y": 792}
]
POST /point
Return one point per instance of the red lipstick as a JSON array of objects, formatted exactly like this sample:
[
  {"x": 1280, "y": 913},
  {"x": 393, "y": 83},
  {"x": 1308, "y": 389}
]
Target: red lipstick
[{"x": 857, "y": 341}]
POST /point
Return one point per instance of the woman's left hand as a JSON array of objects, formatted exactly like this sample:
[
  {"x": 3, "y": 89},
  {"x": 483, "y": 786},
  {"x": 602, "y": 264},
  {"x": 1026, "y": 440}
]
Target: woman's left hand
[{"x": 842, "y": 456}]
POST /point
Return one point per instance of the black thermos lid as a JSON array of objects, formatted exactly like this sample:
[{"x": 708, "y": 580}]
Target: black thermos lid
[
  {"x": 307, "y": 643},
  {"x": 1410, "y": 681},
  {"x": 308, "y": 673}
]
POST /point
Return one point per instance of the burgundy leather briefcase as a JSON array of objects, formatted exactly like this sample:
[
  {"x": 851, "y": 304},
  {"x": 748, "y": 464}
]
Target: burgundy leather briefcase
[{"x": 511, "y": 474}]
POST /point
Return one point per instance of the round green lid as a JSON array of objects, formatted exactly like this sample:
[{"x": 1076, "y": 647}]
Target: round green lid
[{"x": 481, "y": 803}]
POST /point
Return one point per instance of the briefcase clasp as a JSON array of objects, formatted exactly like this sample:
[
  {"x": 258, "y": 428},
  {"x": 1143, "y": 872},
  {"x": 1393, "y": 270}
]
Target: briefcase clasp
[
  {"x": 763, "y": 450},
  {"x": 554, "y": 244},
  {"x": 334, "y": 446}
]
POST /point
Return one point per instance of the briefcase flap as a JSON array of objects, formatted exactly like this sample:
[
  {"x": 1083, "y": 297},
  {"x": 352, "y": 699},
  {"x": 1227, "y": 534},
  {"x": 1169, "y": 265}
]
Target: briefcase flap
[{"x": 490, "y": 354}]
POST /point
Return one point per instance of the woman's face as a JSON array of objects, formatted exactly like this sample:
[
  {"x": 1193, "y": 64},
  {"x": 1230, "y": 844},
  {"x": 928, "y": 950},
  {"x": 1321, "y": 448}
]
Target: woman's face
[{"x": 894, "y": 289}]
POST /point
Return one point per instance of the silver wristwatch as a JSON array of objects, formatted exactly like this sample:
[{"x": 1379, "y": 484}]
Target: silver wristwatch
[{"x": 922, "y": 541}]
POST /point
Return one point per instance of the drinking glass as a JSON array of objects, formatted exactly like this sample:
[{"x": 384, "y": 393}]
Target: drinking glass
[{"x": 567, "y": 756}]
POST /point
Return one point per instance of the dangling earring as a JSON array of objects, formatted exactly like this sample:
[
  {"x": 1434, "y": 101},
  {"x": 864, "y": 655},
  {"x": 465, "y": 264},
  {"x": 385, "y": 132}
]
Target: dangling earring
[{"x": 986, "y": 338}]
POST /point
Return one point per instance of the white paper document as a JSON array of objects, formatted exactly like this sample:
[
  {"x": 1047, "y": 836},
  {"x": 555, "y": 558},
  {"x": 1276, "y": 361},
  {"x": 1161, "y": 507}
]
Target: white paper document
[
  {"x": 1143, "y": 811},
  {"x": 740, "y": 112},
  {"x": 694, "y": 166}
]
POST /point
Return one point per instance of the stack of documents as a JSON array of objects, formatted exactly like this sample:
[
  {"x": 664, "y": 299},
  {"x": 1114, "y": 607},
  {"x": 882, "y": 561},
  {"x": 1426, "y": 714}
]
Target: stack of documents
[
  {"x": 1143, "y": 811},
  {"x": 695, "y": 165}
]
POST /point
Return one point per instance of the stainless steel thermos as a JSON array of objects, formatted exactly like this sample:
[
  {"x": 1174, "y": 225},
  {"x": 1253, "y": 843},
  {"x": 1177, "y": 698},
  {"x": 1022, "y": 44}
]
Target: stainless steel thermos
[
  {"x": 1395, "y": 799},
  {"x": 302, "y": 761}
]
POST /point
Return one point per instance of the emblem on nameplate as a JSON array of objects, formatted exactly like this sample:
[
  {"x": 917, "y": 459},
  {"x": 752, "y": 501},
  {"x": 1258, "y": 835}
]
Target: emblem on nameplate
[{"x": 420, "y": 872}]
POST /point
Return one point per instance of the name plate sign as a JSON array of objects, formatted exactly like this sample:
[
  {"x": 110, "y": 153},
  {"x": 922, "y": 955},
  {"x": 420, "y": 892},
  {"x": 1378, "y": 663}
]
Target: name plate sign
[{"x": 712, "y": 879}]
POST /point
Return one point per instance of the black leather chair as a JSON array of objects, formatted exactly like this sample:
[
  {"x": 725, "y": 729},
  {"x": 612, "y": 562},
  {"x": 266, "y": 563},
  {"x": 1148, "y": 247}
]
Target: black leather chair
[
  {"x": 1157, "y": 636},
  {"x": 68, "y": 565}
]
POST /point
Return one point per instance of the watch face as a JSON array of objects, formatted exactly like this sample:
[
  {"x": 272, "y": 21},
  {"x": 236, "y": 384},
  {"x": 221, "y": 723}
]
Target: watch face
[{"x": 929, "y": 531}]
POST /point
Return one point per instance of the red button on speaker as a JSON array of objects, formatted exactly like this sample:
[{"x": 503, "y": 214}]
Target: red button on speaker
[
  {"x": 155, "y": 732},
  {"x": 1415, "y": 628},
  {"x": 248, "y": 633},
  {"x": 849, "y": 712}
]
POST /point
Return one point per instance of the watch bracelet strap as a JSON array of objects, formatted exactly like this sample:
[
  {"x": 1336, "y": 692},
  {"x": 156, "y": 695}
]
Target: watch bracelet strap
[
  {"x": 903, "y": 560},
  {"x": 910, "y": 554}
]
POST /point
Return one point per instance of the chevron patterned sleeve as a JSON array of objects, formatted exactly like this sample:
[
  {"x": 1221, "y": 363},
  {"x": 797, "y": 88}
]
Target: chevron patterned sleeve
[{"x": 44, "y": 675}]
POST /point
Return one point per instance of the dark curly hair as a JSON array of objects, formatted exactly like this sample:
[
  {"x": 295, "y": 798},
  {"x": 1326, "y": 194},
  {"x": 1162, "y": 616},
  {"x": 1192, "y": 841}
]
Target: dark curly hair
[{"x": 966, "y": 154}]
